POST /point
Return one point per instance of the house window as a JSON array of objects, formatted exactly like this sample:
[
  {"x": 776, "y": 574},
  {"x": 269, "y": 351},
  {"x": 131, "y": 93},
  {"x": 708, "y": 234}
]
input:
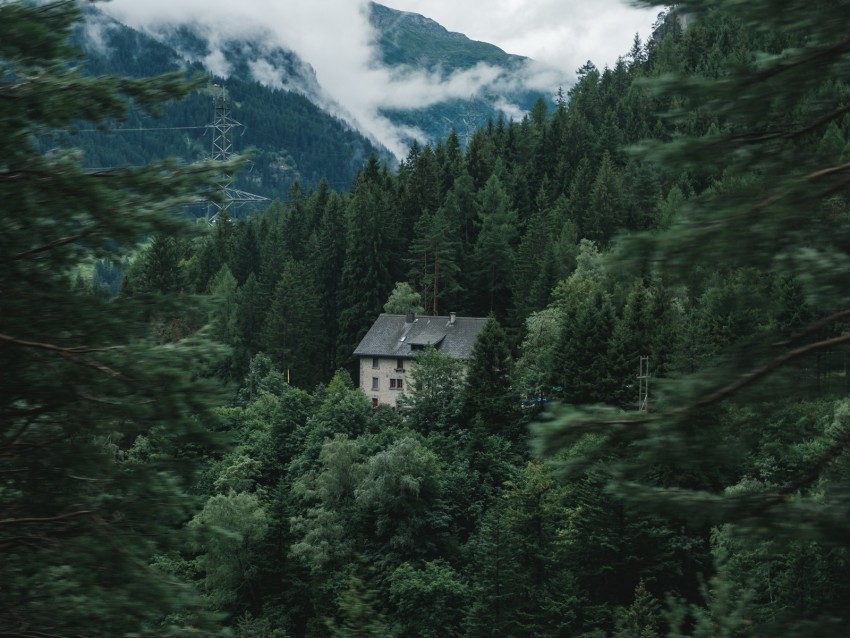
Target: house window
[
  {"x": 396, "y": 384},
  {"x": 399, "y": 365},
  {"x": 374, "y": 383},
  {"x": 375, "y": 362},
  {"x": 374, "y": 402}
]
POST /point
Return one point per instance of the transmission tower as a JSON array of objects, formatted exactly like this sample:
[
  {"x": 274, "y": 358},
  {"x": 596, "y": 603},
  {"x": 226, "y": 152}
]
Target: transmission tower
[
  {"x": 643, "y": 384},
  {"x": 471, "y": 119},
  {"x": 222, "y": 150}
]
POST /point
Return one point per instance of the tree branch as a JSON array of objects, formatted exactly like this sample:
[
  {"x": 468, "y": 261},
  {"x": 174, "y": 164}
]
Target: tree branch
[
  {"x": 769, "y": 367},
  {"x": 839, "y": 48},
  {"x": 53, "y": 347},
  {"x": 790, "y": 135},
  {"x": 48, "y": 519},
  {"x": 62, "y": 241}
]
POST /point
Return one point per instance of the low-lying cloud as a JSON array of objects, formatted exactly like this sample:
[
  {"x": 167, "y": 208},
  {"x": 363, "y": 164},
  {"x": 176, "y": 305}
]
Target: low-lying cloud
[{"x": 335, "y": 38}]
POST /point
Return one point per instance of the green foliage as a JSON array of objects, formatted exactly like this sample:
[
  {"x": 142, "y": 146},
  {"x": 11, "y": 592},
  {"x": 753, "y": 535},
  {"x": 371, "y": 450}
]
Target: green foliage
[
  {"x": 494, "y": 248},
  {"x": 718, "y": 250},
  {"x": 292, "y": 333},
  {"x": 401, "y": 498},
  {"x": 488, "y": 394},
  {"x": 358, "y": 614},
  {"x": 520, "y": 588},
  {"x": 642, "y": 619},
  {"x": 404, "y": 299},
  {"x": 101, "y": 421},
  {"x": 231, "y": 525},
  {"x": 751, "y": 237},
  {"x": 434, "y": 401},
  {"x": 430, "y": 599}
]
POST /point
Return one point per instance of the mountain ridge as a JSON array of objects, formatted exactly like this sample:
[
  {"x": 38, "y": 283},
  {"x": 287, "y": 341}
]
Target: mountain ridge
[{"x": 294, "y": 126}]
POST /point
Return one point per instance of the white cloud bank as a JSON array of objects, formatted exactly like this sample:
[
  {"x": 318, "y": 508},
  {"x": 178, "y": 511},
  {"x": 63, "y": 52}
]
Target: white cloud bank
[{"x": 335, "y": 38}]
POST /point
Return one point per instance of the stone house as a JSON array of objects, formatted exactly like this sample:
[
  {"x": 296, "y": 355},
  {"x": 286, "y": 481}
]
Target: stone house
[{"x": 387, "y": 352}]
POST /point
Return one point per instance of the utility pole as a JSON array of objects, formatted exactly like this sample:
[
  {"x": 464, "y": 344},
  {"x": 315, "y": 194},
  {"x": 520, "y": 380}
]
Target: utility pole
[
  {"x": 222, "y": 150},
  {"x": 643, "y": 384}
]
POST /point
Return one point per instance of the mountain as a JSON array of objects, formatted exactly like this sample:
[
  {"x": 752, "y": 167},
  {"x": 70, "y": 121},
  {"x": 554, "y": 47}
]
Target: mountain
[
  {"x": 411, "y": 39},
  {"x": 289, "y": 136},
  {"x": 412, "y": 42},
  {"x": 295, "y": 128}
]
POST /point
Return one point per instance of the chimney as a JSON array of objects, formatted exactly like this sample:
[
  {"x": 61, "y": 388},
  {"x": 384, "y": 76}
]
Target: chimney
[
  {"x": 410, "y": 317},
  {"x": 452, "y": 317}
]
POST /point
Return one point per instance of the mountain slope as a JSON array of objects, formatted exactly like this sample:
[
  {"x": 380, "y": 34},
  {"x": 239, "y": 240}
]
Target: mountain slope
[
  {"x": 412, "y": 42},
  {"x": 411, "y": 39},
  {"x": 292, "y": 124},
  {"x": 290, "y": 137}
]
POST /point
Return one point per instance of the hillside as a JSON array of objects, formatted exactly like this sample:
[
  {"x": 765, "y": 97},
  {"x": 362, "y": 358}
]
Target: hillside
[
  {"x": 651, "y": 434},
  {"x": 289, "y": 137},
  {"x": 294, "y": 129}
]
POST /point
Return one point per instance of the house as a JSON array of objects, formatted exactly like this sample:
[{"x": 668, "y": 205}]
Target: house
[{"x": 387, "y": 351}]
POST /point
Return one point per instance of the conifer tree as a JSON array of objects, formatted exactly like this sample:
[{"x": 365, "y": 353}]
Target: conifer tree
[
  {"x": 291, "y": 332},
  {"x": 84, "y": 513},
  {"x": 487, "y": 393},
  {"x": 494, "y": 248},
  {"x": 367, "y": 277},
  {"x": 435, "y": 249},
  {"x": 777, "y": 211},
  {"x": 327, "y": 267}
]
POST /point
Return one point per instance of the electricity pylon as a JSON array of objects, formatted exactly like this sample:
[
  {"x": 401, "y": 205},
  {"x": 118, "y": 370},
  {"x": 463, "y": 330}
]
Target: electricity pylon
[{"x": 222, "y": 150}]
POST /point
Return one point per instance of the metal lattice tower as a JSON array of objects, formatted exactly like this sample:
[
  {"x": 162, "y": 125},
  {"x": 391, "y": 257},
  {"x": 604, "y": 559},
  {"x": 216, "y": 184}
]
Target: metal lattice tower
[
  {"x": 222, "y": 150},
  {"x": 470, "y": 119},
  {"x": 643, "y": 384}
]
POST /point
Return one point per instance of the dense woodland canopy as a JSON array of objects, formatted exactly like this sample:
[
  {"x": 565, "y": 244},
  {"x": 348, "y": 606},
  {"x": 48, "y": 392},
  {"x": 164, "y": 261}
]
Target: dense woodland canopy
[{"x": 184, "y": 450}]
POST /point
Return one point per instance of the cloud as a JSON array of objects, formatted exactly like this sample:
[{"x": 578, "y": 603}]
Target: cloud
[
  {"x": 562, "y": 33},
  {"x": 335, "y": 38}
]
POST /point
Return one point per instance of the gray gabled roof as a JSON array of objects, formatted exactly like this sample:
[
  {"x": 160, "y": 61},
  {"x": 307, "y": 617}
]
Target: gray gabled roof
[{"x": 394, "y": 336}]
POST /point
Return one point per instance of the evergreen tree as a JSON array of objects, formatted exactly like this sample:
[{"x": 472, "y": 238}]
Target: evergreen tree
[
  {"x": 291, "y": 332},
  {"x": 328, "y": 273},
  {"x": 605, "y": 212},
  {"x": 522, "y": 586},
  {"x": 435, "y": 249},
  {"x": 494, "y": 249},
  {"x": 583, "y": 367},
  {"x": 488, "y": 393},
  {"x": 83, "y": 388},
  {"x": 224, "y": 315},
  {"x": 771, "y": 214},
  {"x": 369, "y": 252}
]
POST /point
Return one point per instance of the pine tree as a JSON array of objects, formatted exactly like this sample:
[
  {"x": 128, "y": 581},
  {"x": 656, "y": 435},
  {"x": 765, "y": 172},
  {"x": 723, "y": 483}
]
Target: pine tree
[
  {"x": 80, "y": 379},
  {"x": 435, "y": 249},
  {"x": 367, "y": 277},
  {"x": 605, "y": 213},
  {"x": 522, "y": 582},
  {"x": 291, "y": 331},
  {"x": 770, "y": 214},
  {"x": 583, "y": 366},
  {"x": 494, "y": 249},
  {"x": 328, "y": 274},
  {"x": 488, "y": 393}
]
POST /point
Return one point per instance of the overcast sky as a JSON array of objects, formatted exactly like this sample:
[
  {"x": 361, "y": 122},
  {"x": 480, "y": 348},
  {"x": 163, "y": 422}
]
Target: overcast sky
[
  {"x": 563, "y": 33},
  {"x": 334, "y": 37}
]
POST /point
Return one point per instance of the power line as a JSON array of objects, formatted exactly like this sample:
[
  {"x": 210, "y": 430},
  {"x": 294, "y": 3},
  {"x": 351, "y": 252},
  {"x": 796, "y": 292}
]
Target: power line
[{"x": 121, "y": 130}]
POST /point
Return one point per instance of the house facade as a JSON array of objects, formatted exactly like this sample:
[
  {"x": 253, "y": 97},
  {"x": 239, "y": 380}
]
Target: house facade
[{"x": 387, "y": 352}]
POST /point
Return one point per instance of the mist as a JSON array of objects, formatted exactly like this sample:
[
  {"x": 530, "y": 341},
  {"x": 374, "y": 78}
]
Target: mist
[{"x": 335, "y": 38}]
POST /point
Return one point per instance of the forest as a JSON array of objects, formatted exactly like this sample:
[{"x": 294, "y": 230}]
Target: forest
[{"x": 184, "y": 448}]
